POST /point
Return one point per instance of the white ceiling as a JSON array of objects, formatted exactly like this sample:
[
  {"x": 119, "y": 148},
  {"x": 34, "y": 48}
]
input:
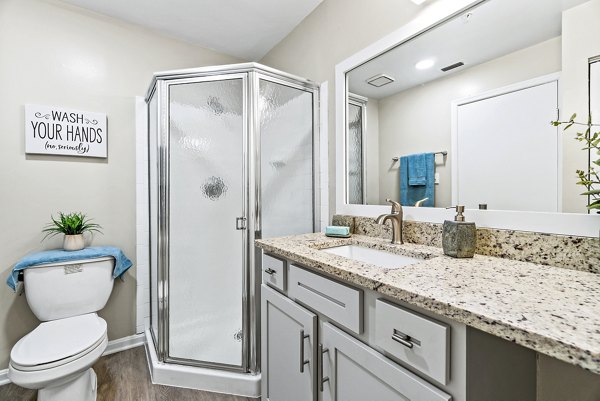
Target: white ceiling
[
  {"x": 495, "y": 28},
  {"x": 247, "y": 29}
]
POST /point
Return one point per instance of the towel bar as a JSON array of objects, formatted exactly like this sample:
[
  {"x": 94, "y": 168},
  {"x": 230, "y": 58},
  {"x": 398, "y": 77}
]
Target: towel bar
[{"x": 442, "y": 152}]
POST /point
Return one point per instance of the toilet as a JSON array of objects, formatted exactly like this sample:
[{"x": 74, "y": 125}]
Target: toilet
[{"x": 57, "y": 357}]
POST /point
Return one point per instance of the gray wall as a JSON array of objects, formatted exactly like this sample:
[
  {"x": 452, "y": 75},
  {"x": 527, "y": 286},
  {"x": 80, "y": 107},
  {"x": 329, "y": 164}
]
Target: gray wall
[{"x": 60, "y": 55}]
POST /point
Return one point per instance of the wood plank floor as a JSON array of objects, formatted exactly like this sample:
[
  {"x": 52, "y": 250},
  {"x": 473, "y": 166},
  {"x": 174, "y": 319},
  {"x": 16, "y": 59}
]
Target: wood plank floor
[{"x": 124, "y": 376}]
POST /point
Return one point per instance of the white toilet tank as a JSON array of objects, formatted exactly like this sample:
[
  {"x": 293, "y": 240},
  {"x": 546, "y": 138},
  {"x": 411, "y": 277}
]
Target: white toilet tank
[{"x": 65, "y": 289}]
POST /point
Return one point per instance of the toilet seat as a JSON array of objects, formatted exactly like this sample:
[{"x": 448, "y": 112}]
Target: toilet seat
[
  {"x": 59, "y": 362},
  {"x": 58, "y": 342},
  {"x": 57, "y": 375},
  {"x": 57, "y": 351}
]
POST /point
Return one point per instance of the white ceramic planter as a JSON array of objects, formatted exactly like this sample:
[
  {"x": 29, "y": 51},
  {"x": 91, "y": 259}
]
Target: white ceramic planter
[{"x": 73, "y": 242}]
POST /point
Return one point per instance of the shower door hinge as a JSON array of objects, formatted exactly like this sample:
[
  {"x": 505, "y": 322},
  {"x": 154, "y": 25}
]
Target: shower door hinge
[{"x": 240, "y": 223}]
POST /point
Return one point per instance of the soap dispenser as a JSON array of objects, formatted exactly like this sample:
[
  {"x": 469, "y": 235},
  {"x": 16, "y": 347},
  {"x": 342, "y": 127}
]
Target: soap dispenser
[{"x": 459, "y": 236}]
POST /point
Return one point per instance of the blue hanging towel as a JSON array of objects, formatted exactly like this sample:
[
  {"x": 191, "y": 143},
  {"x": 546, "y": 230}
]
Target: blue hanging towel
[
  {"x": 417, "y": 169},
  {"x": 122, "y": 263},
  {"x": 417, "y": 179}
]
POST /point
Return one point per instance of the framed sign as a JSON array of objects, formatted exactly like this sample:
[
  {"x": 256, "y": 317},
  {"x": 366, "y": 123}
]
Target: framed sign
[{"x": 53, "y": 130}]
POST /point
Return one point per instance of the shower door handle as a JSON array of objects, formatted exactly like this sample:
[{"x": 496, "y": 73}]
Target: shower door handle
[{"x": 240, "y": 223}]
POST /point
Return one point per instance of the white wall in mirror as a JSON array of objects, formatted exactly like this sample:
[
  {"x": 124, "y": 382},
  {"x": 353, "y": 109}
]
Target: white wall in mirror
[{"x": 539, "y": 59}]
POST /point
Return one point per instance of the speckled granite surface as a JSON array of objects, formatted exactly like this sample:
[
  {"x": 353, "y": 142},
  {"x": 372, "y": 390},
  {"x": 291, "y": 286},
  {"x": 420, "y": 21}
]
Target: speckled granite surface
[
  {"x": 577, "y": 253},
  {"x": 550, "y": 310}
]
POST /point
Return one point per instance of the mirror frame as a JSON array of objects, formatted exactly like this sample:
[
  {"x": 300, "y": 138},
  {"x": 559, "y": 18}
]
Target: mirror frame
[{"x": 580, "y": 224}]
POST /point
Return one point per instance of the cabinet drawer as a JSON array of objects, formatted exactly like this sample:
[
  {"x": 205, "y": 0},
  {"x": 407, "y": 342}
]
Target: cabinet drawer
[
  {"x": 419, "y": 341},
  {"x": 336, "y": 301},
  {"x": 274, "y": 272}
]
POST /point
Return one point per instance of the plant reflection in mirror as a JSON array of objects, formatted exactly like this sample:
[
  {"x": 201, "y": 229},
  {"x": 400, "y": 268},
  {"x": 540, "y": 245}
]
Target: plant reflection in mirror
[{"x": 591, "y": 178}]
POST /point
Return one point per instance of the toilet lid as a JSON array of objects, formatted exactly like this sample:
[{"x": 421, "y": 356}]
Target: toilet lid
[{"x": 59, "y": 339}]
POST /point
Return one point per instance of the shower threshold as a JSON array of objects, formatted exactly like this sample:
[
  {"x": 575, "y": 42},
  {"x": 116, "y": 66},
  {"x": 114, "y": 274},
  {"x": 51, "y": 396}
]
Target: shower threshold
[{"x": 218, "y": 381}]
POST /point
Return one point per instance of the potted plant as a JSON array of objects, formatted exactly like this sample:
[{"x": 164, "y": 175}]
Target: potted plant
[
  {"x": 590, "y": 179},
  {"x": 72, "y": 225}
]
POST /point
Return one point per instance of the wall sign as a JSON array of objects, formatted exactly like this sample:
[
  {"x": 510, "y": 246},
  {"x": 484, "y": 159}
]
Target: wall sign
[{"x": 58, "y": 131}]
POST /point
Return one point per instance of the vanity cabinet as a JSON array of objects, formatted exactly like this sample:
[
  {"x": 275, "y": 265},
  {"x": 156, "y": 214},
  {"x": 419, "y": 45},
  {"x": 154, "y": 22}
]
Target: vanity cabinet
[{"x": 310, "y": 350}]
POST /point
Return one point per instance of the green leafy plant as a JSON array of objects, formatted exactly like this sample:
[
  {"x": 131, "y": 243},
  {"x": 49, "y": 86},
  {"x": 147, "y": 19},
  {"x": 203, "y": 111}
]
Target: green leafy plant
[
  {"x": 590, "y": 179},
  {"x": 70, "y": 224}
]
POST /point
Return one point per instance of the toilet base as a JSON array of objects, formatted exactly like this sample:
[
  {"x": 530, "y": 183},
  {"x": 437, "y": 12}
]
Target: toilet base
[{"x": 81, "y": 388}]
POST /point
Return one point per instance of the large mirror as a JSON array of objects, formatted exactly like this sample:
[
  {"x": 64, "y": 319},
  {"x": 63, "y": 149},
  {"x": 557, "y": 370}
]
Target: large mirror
[{"x": 461, "y": 113}]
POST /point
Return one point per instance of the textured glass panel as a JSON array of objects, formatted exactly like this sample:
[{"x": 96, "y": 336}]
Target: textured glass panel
[
  {"x": 286, "y": 133},
  {"x": 354, "y": 147},
  {"x": 153, "y": 186},
  {"x": 206, "y": 195}
]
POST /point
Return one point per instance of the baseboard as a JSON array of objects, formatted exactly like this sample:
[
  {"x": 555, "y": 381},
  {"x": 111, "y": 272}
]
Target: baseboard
[
  {"x": 125, "y": 343},
  {"x": 4, "y": 377},
  {"x": 118, "y": 345}
]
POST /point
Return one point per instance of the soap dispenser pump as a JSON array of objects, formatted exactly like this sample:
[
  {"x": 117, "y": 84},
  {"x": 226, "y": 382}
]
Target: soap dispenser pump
[{"x": 459, "y": 236}]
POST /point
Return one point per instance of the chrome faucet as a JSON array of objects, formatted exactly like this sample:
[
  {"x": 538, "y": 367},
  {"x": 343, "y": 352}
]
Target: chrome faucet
[{"x": 396, "y": 218}]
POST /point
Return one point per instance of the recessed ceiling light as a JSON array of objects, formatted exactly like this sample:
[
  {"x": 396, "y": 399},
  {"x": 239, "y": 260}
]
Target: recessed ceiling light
[
  {"x": 380, "y": 80},
  {"x": 425, "y": 64},
  {"x": 418, "y": 2}
]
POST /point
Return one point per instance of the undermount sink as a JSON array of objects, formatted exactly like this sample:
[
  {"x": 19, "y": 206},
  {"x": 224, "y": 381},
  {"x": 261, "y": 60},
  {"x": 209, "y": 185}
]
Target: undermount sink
[{"x": 375, "y": 257}]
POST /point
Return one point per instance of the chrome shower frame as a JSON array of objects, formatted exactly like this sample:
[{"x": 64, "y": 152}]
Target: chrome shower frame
[{"x": 251, "y": 74}]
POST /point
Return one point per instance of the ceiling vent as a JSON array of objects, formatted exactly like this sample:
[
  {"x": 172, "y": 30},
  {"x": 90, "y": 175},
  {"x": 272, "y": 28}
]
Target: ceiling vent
[
  {"x": 380, "y": 80},
  {"x": 453, "y": 66}
]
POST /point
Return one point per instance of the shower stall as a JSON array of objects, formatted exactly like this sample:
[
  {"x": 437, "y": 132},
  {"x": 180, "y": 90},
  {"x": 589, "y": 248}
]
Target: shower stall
[{"x": 232, "y": 158}]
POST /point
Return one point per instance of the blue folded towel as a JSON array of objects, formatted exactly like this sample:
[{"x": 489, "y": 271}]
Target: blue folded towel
[
  {"x": 422, "y": 184},
  {"x": 122, "y": 263},
  {"x": 337, "y": 230},
  {"x": 417, "y": 169}
]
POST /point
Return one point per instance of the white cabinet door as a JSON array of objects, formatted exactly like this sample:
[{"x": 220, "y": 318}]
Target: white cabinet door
[
  {"x": 288, "y": 349},
  {"x": 354, "y": 372}
]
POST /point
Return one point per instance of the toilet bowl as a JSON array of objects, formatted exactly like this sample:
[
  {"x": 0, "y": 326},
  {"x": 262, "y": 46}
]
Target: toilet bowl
[{"x": 57, "y": 356}]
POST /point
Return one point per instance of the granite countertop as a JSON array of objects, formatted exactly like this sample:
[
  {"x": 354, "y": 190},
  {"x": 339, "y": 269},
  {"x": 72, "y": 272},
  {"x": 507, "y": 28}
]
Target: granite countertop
[{"x": 551, "y": 310}]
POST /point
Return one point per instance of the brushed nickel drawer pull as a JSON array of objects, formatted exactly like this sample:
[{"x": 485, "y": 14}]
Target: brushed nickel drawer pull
[
  {"x": 302, "y": 360},
  {"x": 402, "y": 338},
  {"x": 323, "y": 295},
  {"x": 322, "y": 379},
  {"x": 270, "y": 271}
]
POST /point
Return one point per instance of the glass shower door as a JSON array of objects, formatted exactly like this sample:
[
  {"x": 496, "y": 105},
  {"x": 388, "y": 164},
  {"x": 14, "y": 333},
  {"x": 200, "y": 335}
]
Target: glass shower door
[
  {"x": 207, "y": 209},
  {"x": 286, "y": 123}
]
